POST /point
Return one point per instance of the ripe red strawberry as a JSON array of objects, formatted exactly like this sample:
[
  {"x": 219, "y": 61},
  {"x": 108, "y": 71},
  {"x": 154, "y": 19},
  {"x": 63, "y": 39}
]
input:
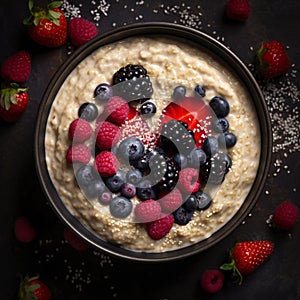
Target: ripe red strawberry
[
  {"x": 285, "y": 215},
  {"x": 161, "y": 227},
  {"x": 238, "y": 10},
  {"x": 106, "y": 163},
  {"x": 33, "y": 288},
  {"x": 13, "y": 102},
  {"x": 47, "y": 27},
  {"x": 74, "y": 241},
  {"x": 108, "y": 135},
  {"x": 116, "y": 110},
  {"x": 78, "y": 153},
  {"x": 171, "y": 201},
  {"x": 212, "y": 281},
  {"x": 16, "y": 67},
  {"x": 189, "y": 180},
  {"x": 247, "y": 257},
  {"x": 81, "y": 31},
  {"x": 24, "y": 231},
  {"x": 272, "y": 60},
  {"x": 192, "y": 111},
  {"x": 147, "y": 211}
]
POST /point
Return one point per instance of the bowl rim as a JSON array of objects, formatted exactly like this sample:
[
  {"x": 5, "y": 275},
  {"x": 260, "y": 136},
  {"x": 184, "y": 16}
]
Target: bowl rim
[{"x": 215, "y": 48}]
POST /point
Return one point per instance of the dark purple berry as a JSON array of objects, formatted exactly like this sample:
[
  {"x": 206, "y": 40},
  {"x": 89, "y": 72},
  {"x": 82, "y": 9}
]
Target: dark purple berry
[
  {"x": 220, "y": 106},
  {"x": 148, "y": 109},
  {"x": 88, "y": 111},
  {"x": 103, "y": 92},
  {"x": 179, "y": 92},
  {"x": 105, "y": 198},
  {"x": 128, "y": 190},
  {"x": 200, "y": 91}
]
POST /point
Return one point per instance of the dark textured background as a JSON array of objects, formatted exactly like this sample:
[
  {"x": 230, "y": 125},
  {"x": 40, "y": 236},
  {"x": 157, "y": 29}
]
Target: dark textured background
[{"x": 93, "y": 275}]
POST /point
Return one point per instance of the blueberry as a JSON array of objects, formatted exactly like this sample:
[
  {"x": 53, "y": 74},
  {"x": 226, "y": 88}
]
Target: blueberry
[
  {"x": 128, "y": 190},
  {"x": 200, "y": 91},
  {"x": 85, "y": 175},
  {"x": 120, "y": 207},
  {"x": 145, "y": 191},
  {"x": 103, "y": 92},
  {"x": 179, "y": 92},
  {"x": 88, "y": 111},
  {"x": 191, "y": 203},
  {"x": 180, "y": 160},
  {"x": 94, "y": 189},
  {"x": 182, "y": 216},
  {"x": 211, "y": 145},
  {"x": 197, "y": 157},
  {"x": 230, "y": 139},
  {"x": 131, "y": 149},
  {"x": 105, "y": 198},
  {"x": 204, "y": 200},
  {"x": 134, "y": 176},
  {"x": 148, "y": 109},
  {"x": 225, "y": 157},
  {"x": 220, "y": 125},
  {"x": 220, "y": 106},
  {"x": 115, "y": 182}
]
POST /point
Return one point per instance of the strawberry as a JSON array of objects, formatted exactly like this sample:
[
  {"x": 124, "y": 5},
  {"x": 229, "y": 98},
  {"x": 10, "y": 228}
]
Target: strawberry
[
  {"x": 285, "y": 215},
  {"x": 248, "y": 256},
  {"x": 272, "y": 60},
  {"x": 81, "y": 31},
  {"x": 238, "y": 10},
  {"x": 192, "y": 111},
  {"x": 33, "y": 289},
  {"x": 13, "y": 102},
  {"x": 47, "y": 27},
  {"x": 16, "y": 67}
]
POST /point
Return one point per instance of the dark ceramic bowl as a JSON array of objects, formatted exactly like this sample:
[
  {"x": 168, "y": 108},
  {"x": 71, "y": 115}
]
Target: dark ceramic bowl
[{"x": 205, "y": 43}]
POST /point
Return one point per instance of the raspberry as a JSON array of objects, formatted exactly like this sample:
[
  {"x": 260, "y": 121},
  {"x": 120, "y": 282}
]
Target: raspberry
[
  {"x": 212, "y": 281},
  {"x": 74, "y": 241},
  {"x": 285, "y": 215},
  {"x": 106, "y": 163},
  {"x": 116, "y": 110},
  {"x": 189, "y": 180},
  {"x": 108, "y": 135},
  {"x": 81, "y": 31},
  {"x": 80, "y": 130},
  {"x": 24, "y": 231},
  {"x": 147, "y": 211},
  {"x": 171, "y": 201},
  {"x": 238, "y": 10},
  {"x": 78, "y": 153},
  {"x": 161, "y": 227}
]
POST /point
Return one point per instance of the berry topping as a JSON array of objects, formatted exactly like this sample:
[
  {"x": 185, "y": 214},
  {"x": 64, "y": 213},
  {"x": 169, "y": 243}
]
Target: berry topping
[
  {"x": 132, "y": 83},
  {"x": 78, "y": 153},
  {"x": 147, "y": 211},
  {"x": 80, "y": 130},
  {"x": 182, "y": 216},
  {"x": 211, "y": 145},
  {"x": 81, "y": 31},
  {"x": 144, "y": 190},
  {"x": 200, "y": 91},
  {"x": 88, "y": 111},
  {"x": 191, "y": 203},
  {"x": 220, "y": 125},
  {"x": 171, "y": 201},
  {"x": 220, "y": 106},
  {"x": 116, "y": 110},
  {"x": 203, "y": 200},
  {"x": 230, "y": 139},
  {"x": 120, "y": 207},
  {"x": 134, "y": 176},
  {"x": 94, "y": 189},
  {"x": 212, "y": 281},
  {"x": 196, "y": 158},
  {"x": 238, "y": 10},
  {"x": 148, "y": 109},
  {"x": 189, "y": 181},
  {"x": 108, "y": 135},
  {"x": 16, "y": 67},
  {"x": 285, "y": 215},
  {"x": 24, "y": 230},
  {"x": 131, "y": 149},
  {"x": 161, "y": 227},
  {"x": 180, "y": 160},
  {"x": 128, "y": 190},
  {"x": 103, "y": 92},
  {"x": 105, "y": 198},
  {"x": 85, "y": 175},
  {"x": 179, "y": 92},
  {"x": 106, "y": 163},
  {"x": 116, "y": 182}
]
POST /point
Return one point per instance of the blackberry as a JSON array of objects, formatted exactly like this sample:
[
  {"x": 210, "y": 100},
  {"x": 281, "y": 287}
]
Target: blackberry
[
  {"x": 132, "y": 83},
  {"x": 175, "y": 135}
]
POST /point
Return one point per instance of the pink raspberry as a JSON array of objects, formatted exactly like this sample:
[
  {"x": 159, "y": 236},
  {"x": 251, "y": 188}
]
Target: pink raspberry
[
  {"x": 238, "y": 10},
  {"x": 24, "y": 231},
  {"x": 78, "y": 153},
  {"x": 108, "y": 135},
  {"x": 147, "y": 211},
  {"x": 80, "y": 130},
  {"x": 161, "y": 227},
  {"x": 171, "y": 201},
  {"x": 212, "y": 281},
  {"x": 285, "y": 215},
  {"x": 74, "y": 240},
  {"x": 106, "y": 163},
  {"x": 189, "y": 180},
  {"x": 116, "y": 110}
]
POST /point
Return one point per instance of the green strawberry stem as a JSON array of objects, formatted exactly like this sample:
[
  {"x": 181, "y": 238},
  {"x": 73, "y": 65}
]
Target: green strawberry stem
[
  {"x": 8, "y": 94},
  {"x": 26, "y": 290}
]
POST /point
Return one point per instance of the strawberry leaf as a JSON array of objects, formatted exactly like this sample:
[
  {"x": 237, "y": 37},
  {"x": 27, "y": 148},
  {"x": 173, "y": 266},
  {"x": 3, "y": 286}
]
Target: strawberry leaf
[{"x": 54, "y": 4}]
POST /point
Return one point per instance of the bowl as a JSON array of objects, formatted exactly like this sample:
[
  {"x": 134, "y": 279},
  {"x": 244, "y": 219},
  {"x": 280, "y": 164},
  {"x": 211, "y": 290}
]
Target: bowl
[{"x": 199, "y": 40}]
